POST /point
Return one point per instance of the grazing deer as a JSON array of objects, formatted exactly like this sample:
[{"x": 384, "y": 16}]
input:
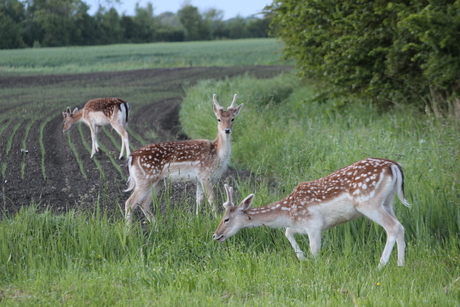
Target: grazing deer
[
  {"x": 199, "y": 161},
  {"x": 366, "y": 188},
  {"x": 100, "y": 112}
]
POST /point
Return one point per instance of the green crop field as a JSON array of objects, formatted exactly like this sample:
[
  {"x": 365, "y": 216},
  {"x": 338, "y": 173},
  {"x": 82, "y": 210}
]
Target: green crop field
[
  {"x": 140, "y": 56},
  {"x": 63, "y": 239}
]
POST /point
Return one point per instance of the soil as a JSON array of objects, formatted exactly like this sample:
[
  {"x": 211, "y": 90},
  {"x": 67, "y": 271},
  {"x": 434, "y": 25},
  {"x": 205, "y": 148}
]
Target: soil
[{"x": 64, "y": 183}]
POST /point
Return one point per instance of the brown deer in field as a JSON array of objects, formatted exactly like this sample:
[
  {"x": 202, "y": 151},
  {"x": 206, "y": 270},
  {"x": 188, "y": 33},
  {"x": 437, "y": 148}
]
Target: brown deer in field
[
  {"x": 198, "y": 161},
  {"x": 100, "y": 112},
  {"x": 365, "y": 188}
]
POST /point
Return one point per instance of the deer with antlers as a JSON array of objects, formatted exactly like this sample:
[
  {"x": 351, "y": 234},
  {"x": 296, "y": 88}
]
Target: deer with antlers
[
  {"x": 100, "y": 112},
  {"x": 365, "y": 188},
  {"x": 198, "y": 161}
]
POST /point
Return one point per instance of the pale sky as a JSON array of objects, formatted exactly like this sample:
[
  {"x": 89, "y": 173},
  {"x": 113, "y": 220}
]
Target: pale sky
[{"x": 231, "y": 8}]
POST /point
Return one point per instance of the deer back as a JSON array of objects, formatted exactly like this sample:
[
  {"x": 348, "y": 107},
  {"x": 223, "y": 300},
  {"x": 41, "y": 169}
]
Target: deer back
[{"x": 179, "y": 158}]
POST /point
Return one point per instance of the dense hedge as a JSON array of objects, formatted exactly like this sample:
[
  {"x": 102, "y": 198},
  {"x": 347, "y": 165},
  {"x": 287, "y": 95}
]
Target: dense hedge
[{"x": 392, "y": 51}]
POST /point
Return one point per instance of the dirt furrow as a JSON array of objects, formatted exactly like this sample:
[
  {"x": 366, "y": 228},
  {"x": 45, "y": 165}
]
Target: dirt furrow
[{"x": 65, "y": 187}]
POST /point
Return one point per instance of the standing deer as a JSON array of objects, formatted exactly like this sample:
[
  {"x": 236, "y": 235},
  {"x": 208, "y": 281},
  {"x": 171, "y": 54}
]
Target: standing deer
[
  {"x": 198, "y": 161},
  {"x": 100, "y": 112},
  {"x": 366, "y": 188}
]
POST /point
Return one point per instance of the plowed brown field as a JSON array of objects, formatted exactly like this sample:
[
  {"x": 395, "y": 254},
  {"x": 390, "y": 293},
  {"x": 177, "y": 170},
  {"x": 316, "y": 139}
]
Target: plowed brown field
[{"x": 37, "y": 162}]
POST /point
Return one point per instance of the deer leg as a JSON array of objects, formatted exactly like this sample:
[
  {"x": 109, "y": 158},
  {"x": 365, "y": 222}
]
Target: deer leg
[
  {"x": 124, "y": 141},
  {"x": 207, "y": 186},
  {"x": 314, "y": 237},
  {"x": 394, "y": 230},
  {"x": 401, "y": 245},
  {"x": 138, "y": 196},
  {"x": 290, "y": 236},
  {"x": 122, "y": 150},
  {"x": 145, "y": 207},
  {"x": 94, "y": 147},
  {"x": 96, "y": 131},
  {"x": 199, "y": 195},
  {"x": 400, "y": 234}
]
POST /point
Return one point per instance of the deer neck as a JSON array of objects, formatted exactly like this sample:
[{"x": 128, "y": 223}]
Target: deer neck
[
  {"x": 223, "y": 145},
  {"x": 274, "y": 215},
  {"x": 78, "y": 116}
]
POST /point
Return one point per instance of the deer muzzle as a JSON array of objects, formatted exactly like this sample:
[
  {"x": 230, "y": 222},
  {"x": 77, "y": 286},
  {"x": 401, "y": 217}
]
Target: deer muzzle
[{"x": 219, "y": 238}]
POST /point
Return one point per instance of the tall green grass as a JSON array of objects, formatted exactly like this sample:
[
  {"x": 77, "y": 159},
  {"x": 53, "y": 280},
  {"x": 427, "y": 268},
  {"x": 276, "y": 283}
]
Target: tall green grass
[
  {"x": 91, "y": 259},
  {"x": 281, "y": 134},
  {"x": 140, "y": 56}
]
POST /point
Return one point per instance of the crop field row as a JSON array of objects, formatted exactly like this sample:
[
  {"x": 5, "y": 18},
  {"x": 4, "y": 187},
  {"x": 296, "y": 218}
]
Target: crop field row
[
  {"x": 41, "y": 164},
  {"x": 140, "y": 56}
]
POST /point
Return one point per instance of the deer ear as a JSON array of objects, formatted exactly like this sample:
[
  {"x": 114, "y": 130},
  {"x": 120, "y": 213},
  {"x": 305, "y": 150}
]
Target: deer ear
[
  {"x": 246, "y": 203},
  {"x": 237, "y": 110},
  {"x": 75, "y": 110},
  {"x": 68, "y": 110}
]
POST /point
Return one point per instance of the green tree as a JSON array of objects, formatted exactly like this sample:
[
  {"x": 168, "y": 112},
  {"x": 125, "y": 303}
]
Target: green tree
[
  {"x": 169, "y": 28},
  {"x": 193, "y": 23},
  {"x": 109, "y": 26},
  {"x": 259, "y": 27},
  {"x": 84, "y": 27},
  {"x": 55, "y": 22},
  {"x": 129, "y": 28},
  {"x": 237, "y": 28},
  {"x": 391, "y": 51},
  {"x": 145, "y": 23},
  {"x": 55, "y": 18},
  {"x": 213, "y": 20},
  {"x": 12, "y": 15}
]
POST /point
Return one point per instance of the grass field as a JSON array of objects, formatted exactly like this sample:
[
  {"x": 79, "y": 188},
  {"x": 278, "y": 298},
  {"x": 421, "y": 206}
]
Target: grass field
[
  {"x": 292, "y": 140},
  {"x": 88, "y": 258},
  {"x": 140, "y": 56}
]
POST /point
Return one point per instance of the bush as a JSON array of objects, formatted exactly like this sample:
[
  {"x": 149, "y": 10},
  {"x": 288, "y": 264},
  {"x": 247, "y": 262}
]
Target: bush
[{"x": 390, "y": 51}]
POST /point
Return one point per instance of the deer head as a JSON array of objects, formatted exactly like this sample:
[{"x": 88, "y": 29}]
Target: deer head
[
  {"x": 226, "y": 117},
  {"x": 69, "y": 120},
  {"x": 235, "y": 217}
]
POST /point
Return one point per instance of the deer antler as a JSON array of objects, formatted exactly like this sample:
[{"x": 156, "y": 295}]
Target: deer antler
[
  {"x": 214, "y": 98},
  {"x": 233, "y": 102},
  {"x": 229, "y": 191}
]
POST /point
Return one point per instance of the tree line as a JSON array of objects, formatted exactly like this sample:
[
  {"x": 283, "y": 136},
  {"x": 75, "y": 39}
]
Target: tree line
[
  {"x": 51, "y": 23},
  {"x": 392, "y": 51}
]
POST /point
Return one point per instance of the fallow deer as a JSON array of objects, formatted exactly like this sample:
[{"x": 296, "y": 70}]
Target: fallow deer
[
  {"x": 198, "y": 161},
  {"x": 365, "y": 188},
  {"x": 100, "y": 112}
]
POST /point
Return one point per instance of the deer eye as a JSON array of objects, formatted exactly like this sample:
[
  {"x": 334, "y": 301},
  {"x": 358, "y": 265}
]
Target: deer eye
[
  {"x": 218, "y": 119},
  {"x": 233, "y": 119},
  {"x": 226, "y": 220}
]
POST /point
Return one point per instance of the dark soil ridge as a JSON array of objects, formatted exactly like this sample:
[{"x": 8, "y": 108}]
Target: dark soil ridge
[{"x": 65, "y": 187}]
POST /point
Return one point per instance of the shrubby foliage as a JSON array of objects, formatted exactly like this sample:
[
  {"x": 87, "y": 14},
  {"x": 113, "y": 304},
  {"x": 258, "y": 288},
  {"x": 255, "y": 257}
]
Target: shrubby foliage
[
  {"x": 44, "y": 23},
  {"x": 11, "y": 17},
  {"x": 392, "y": 51}
]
